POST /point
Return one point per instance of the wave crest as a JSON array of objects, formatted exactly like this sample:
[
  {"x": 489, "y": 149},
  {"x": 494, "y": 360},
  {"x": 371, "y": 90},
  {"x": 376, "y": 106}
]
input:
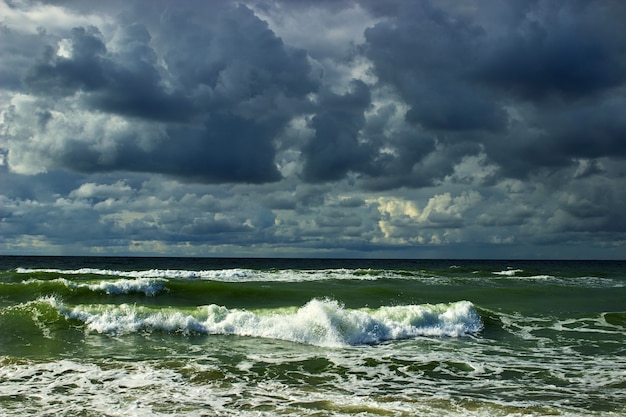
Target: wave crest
[{"x": 319, "y": 322}]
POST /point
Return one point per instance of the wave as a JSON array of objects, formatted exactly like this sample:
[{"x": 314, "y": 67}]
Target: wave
[
  {"x": 321, "y": 322},
  {"x": 584, "y": 281},
  {"x": 147, "y": 286},
  {"x": 508, "y": 272},
  {"x": 521, "y": 274},
  {"x": 453, "y": 276},
  {"x": 228, "y": 275}
]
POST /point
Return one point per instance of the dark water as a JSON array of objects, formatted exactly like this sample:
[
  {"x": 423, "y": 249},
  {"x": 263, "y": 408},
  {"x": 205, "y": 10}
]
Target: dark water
[{"x": 263, "y": 337}]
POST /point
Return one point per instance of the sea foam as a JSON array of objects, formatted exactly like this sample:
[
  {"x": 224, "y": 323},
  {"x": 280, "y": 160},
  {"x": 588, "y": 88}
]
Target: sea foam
[
  {"x": 508, "y": 272},
  {"x": 319, "y": 322},
  {"x": 148, "y": 286},
  {"x": 223, "y": 275}
]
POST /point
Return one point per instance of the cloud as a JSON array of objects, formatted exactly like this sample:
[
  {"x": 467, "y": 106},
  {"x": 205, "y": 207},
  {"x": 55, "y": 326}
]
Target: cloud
[
  {"x": 344, "y": 128},
  {"x": 405, "y": 220},
  {"x": 465, "y": 80},
  {"x": 90, "y": 190},
  {"x": 428, "y": 45},
  {"x": 211, "y": 120},
  {"x": 566, "y": 50},
  {"x": 335, "y": 149},
  {"x": 31, "y": 17}
]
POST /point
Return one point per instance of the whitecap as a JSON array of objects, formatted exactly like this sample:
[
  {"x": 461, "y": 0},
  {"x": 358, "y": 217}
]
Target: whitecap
[
  {"x": 237, "y": 274},
  {"x": 508, "y": 272},
  {"x": 319, "y": 322}
]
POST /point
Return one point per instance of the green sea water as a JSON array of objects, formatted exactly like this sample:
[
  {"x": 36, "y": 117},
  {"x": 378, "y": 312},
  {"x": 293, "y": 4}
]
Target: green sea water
[{"x": 97, "y": 336}]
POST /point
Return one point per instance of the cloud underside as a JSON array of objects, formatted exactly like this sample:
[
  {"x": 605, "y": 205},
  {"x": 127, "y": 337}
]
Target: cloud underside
[{"x": 353, "y": 125}]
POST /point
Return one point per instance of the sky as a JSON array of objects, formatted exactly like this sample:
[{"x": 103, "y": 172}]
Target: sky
[{"x": 333, "y": 128}]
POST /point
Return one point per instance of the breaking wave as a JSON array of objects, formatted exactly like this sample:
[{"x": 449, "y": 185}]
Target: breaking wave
[
  {"x": 320, "y": 322},
  {"x": 147, "y": 286},
  {"x": 223, "y": 275}
]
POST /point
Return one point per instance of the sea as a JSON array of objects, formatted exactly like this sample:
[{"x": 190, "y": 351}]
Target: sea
[{"x": 129, "y": 336}]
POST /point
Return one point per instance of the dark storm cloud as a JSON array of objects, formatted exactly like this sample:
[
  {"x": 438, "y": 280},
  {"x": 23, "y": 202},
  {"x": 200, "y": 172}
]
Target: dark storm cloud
[
  {"x": 557, "y": 65},
  {"x": 228, "y": 84},
  {"x": 219, "y": 86},
  {"x": 335, "y": 149},
  {"x": 429, "y": 55},
  {"x": 234, "y": 53},
  {"x": 564, "y": 49},
  {"x": 37, "y": 187},
  {"x": 557, "y": 137},
  {"x": 350, "y": 125},
  {"x": 225, "y": 149},
  {"x": 591, "y": 131},
  {"x": 15, "y": 49},
  {"x": 57, "y": 75}
]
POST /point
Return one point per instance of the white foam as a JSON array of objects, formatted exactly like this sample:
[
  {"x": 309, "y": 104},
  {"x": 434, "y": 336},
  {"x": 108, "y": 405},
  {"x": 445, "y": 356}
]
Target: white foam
[
  {"x": 150, "y": 273},
  {"x": 319, "y": 322},
  {"x": 148, "y": 286},
  {"x": 508, "y": 272},
  {"x": 224, "y": 275},
  {"x": 145, "y": 388},
  {"x": 245, "y": 275},
  {"x": 70, "y": 388}
]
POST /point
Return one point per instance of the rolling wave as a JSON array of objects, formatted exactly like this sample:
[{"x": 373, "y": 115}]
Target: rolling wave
[
  {"x": 224, "y": 275},
  {"x": 147, "y": 286},
  {"x": 453, "y": 276},
  {"x": 320, "y": 322}
]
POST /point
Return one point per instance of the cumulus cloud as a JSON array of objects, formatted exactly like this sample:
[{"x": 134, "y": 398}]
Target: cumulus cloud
[
  {"x": 90, "y": 190},
  {"x": 337, "y": 127},
  {"x": 205, "y": 106}
]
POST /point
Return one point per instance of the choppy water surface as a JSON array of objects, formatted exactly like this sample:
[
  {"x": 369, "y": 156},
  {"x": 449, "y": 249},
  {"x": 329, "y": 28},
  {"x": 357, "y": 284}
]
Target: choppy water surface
[{"x": 251, "y": 337}]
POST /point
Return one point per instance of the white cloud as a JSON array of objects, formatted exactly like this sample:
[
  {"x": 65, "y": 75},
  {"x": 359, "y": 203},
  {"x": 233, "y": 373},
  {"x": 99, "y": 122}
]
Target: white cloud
[
  {"x": 32, "y": 17},
  {"x": 440, "y": 208},
  {"x": 90, "y": 189},
  {"x": 337, "y": 30},
  {"x": 45, "y": 134}
]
